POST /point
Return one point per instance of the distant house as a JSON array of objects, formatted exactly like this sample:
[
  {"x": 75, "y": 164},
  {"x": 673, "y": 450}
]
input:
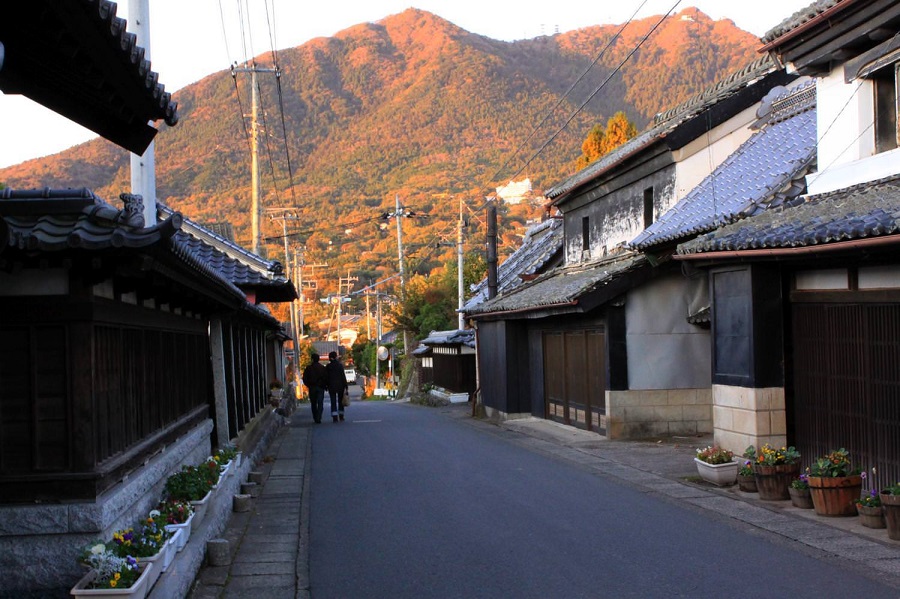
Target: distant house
[
  {"x": 614, "y": 340},
  {"x": 515, "y": 191},
  {"x": 447, "y": 361},
  {"x": 806, "y": 299},
  {"x": 136, "y": 346}
]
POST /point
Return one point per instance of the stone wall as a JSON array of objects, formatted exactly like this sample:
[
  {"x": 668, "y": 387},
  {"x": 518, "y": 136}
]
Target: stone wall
[
  {"x": 744, "y": 416},
  {"x": 641, "y": 414},
  {"x": 39, "y": 543}
]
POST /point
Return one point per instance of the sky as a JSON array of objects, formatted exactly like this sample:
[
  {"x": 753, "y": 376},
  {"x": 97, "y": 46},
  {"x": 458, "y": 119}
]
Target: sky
[{"x": 191, "y": 39}]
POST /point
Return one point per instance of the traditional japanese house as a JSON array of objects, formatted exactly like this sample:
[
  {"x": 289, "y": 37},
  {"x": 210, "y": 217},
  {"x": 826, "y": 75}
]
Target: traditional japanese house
[
  {"x": 128, "y": 346},
  {"x": 806, "y": 299},
  {"x": 449, "y": 359},
  {"x": 613, "y": 340}
]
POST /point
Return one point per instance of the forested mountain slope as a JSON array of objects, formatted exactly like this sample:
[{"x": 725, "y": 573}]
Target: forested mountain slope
[{"x": 410, "y": 106}]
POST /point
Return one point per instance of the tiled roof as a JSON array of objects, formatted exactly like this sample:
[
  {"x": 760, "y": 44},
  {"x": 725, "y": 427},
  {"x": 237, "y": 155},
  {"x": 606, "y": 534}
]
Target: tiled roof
[
  {"x": 49, "y": 220},
  {"x": 72, "y": 220},
  {"x": 562, "y": 286},
  {"x": 766, "y": 170},
  {"x": 799, "y": 18},
  {"x": 239, "y": 266},
  {"x": 76, "y": 58},
  {"x": 668, "y": 121},
  {"x": 867, "y": 210},
  {"x": 455, "y": 337},
  {"x": 541, "y": 243}
]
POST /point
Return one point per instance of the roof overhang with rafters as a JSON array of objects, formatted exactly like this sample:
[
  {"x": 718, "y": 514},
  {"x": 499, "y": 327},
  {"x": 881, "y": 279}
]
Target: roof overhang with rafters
[{"x": 76, "y": 58}]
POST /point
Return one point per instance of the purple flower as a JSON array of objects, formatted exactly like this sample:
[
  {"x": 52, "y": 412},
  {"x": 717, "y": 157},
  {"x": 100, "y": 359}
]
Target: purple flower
[
  {"x": 873, "y": 493},
  {"x": 863, "y": 474}
]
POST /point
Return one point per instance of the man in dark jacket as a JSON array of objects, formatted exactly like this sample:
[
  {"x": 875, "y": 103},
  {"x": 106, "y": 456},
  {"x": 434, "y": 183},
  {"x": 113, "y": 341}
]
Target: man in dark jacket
[
  {"x": 315, "y": 377},
  {"x": 337, "y": 385}
]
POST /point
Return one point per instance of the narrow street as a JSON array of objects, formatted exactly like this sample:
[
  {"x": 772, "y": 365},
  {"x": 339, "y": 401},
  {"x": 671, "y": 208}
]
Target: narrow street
[{"x": 408, "y": 502}]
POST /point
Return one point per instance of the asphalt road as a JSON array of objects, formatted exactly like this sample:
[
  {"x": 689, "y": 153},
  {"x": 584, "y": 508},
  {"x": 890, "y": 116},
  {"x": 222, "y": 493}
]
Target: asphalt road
[{"x": 407, "y": 502}]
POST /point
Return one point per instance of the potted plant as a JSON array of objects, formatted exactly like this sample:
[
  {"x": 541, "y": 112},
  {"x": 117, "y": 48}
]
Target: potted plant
[
  {"x": 226, "y": 458},
  {"x": 716, "y": 465},
  {"x": 890, "y": 501},
  {"x": 147, "y": 544},
  {"x": 193, "y": 484},
  {"x": 774, "y": 469},
  {"x": 799, "y": 491},
  {"x": 745, "y": 478},
  {"x": 177, "y": 516},
  {"x": 111, "y": 575},
  {"x": 871, "y": 515},
  {"x": 835, "y": 484}
]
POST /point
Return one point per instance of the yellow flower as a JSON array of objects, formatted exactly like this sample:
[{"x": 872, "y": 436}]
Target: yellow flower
[
  {"x": 118, "y": 575},
  {"x": 113, "y": 583}
]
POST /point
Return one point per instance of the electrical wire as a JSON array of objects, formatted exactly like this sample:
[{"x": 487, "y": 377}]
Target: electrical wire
[
  {"x": 596, "y": 91},
  {"x": 571, "y": 88}
]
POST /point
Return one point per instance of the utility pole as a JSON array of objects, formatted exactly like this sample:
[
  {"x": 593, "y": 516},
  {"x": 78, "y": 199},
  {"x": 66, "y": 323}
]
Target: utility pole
[
  {"x": 461, "y": 322},
  {"x": 340, "y": 297},
  {"x": 255, "y": 208},
  {"x": 143, "y": 168},
  {"x": 398, "y": 213},
  {"x": 285, "y": 215}
]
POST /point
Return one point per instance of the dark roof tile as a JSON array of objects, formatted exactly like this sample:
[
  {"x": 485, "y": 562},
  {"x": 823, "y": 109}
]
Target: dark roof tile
[
  {"x": 766, "y": 170},
  {"x": 867, "y": 210}
]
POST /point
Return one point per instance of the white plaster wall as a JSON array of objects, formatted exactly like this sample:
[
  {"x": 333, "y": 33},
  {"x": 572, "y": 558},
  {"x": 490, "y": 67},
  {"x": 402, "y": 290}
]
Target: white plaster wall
[
  {"x": 699, "y": 159},
  {"x": 846, "y": 132}
]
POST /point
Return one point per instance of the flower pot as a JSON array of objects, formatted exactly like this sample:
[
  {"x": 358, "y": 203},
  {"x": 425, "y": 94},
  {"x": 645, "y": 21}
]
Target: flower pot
[
  {"x": 747, "y": 483},
  {"x": 871, "y": 517},
  {"x": 773, "y": 482},
  {"x": 801, "y": 498},
  {"x": 160, "y": 562},
  {"x": 138, "y": 590},
  {"x": 185, "y": 535},
  {"x": 835, "y": 495},
  {"x": 717, "y": 474},
  {"x": 200, "y": 510},
  {"x": 891, "y": 505},
  {"x": 227, "y": 468}
]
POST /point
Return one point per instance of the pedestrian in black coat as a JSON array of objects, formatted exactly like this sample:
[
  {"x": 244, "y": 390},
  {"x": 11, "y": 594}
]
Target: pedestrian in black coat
[{"x": 337, "y": 386}]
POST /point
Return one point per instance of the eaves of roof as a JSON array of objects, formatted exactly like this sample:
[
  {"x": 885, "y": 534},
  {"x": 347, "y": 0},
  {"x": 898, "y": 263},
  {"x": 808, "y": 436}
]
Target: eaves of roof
[
  {"x": 75, "y": 220},
  {"x": 244, "y": 269},
  {"x": 862, "y": 212},
  {"x": 454, "y": 337},
  {"x": 766, "y": 170},
  {"x": 564, "y": 287},
  {"x": 76, "y": 58},
  {"x": 801, "y": 18},
  {"x": 541, "y": 244}
]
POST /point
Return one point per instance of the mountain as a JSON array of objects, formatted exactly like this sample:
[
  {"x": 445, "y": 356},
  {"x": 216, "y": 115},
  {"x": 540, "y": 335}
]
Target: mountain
[{"x": 411, "y": 106}]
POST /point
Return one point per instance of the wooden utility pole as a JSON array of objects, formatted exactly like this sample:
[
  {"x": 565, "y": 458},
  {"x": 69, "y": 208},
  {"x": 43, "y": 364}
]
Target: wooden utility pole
[
  {"x": 461, "y": 321},
  {"x": 255, "y": 208}
]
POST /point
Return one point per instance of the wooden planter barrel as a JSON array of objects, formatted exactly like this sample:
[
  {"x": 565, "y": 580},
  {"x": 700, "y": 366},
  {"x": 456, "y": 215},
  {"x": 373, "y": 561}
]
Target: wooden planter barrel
[
  {"x": 773, "y": 481},
  {"x": 891, "y": 505},
  {"x": 835, "y": 496}
]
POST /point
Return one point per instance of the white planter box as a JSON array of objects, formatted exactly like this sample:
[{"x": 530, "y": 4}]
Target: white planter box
[
  {"x": 138, "y": 590},
  {"x": 185, "y": 535},
  {"x": 718, "y": 474},
  {"x": 200, "y": 510}
]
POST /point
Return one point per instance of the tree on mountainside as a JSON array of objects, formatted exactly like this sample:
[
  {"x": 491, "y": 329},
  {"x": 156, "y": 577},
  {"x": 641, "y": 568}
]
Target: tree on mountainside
[{"x": 601, "y": 140}]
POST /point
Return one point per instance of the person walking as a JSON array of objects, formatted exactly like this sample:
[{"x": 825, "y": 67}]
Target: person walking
[
  {"x": 315, "y": 377},
  {"x": 337, "y": 386}
]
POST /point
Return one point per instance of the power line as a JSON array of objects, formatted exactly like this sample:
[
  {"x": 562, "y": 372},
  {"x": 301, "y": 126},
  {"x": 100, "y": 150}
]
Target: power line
[
  {"x": 571, "y": 88},
  {"x": 596, "y": 91}
]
